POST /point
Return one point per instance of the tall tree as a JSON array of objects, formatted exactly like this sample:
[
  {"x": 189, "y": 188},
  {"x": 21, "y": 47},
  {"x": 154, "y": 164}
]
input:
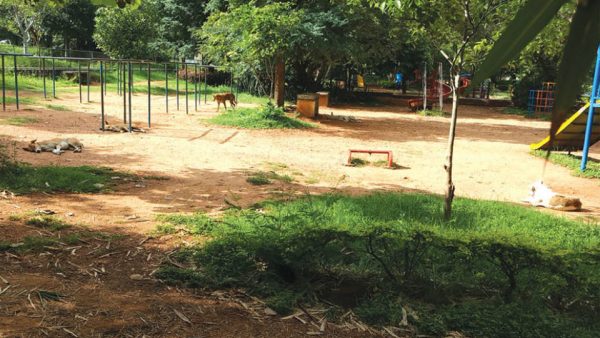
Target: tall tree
[
  {"x": 129, "y": 32},
  {"x": 25, "y": 17},
  {"x": 256, "y": 40},
  {"x": 73, "y": 23}
]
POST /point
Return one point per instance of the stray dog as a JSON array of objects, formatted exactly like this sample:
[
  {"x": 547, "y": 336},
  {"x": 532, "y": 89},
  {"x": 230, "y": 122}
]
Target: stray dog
[
  {"x": 123, "y": 128},
  {"x": 541, "y": 195},
  {"x": 55, "y": 146},
  {"x": 223, "y": 98}
]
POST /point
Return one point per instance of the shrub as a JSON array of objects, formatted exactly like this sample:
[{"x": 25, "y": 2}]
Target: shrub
[{"x": 266, "y": 117}]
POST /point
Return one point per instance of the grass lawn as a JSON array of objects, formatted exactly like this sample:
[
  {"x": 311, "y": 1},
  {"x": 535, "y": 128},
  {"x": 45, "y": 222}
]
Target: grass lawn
[
  {"x": 265, "y": 117},
  {"x": 22, "y": 179},
  {"x": 494, "y": 270},
  {"x": 18, "y": 120},
  {"x": 572, "y": 162}
]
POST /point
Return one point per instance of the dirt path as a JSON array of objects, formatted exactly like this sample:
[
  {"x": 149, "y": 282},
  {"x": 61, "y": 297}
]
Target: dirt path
[{"x": 189, "y": 165}]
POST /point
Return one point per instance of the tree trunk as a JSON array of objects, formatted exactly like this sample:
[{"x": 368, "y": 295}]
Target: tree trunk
[
  {"x": 279, "y": 82},
  {"x": 449, "y": 197}
]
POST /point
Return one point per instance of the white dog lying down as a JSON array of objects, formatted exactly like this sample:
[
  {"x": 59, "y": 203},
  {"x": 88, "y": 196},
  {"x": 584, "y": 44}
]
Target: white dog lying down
[{"x": 541, "y": 195}]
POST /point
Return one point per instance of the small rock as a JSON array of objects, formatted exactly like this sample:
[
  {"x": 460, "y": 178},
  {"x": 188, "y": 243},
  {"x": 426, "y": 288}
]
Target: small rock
[
  {"x": 140, "y": 186},
  {"x": 70, "y": 214},
  {"x": 136, "y": 276},
  {"x": 99, "y": 185},
  {"x": 270, "y": 312},
  {"x": 133, "y": 217}
]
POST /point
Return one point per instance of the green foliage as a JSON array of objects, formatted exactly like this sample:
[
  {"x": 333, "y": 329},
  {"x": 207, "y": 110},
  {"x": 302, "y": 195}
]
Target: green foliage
[
  {"x": 495, "y": 269},
  {"x": 21, "y": 178},
  {"x": 572, "y": 162},
  {"x": 128, "y": 33},
  {"x": 178, "y": 20},
  {"x": 578, "y": 51},
  {"x": 72, "y": 23},
  {"x": 266, "y": 117}
]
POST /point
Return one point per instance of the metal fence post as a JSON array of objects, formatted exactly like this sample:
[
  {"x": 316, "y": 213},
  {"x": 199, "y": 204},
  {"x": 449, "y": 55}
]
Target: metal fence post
[
  {"x": 44, "y": 77},
  {"x": 79, "y": 80},
  {"x": 130, "y": 76},
  {"x": 186, "y": 87},
  {"x": 3, "y": 85},
  {"x": 88, "y": 79},
  {"x": 166, "y": 87},
  {"x": 53, "y": 79},
  {"x": 16, "y": 80},
  {"x": 101, "y": 96},
  {"x": 149, "y": 93}
]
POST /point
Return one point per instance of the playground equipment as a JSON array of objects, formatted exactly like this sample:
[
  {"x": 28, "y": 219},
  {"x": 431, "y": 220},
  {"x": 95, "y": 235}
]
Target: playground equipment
[
  {"x": 582, "y": 129},
  {"x": 541, "y": 100},
  {"x": 100, "y": 67},
  {"x": 390, "y": 155},
  {"x": 436, "y": 89}
]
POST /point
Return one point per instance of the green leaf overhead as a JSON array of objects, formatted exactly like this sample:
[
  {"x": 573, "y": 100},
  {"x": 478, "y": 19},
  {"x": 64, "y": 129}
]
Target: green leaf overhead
[
  {"x": 579, "y": 53},
  {"x": 528, "y": 22}
]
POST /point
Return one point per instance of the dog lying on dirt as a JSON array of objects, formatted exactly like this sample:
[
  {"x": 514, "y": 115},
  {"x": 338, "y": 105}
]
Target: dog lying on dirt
[
  {"x": 541, "y": 195},
  {"x": 123, "y": 127},
  {"x": 223, "y": 98},
  {"x": 55, "y": 146}
]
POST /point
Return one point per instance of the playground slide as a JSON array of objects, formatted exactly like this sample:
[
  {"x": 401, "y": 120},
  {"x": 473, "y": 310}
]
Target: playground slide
[{"x": 571, "y": 133}]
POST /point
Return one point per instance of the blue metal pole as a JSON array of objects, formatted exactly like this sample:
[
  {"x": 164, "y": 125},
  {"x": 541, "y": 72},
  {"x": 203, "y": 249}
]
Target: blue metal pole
[
  {"x": 590, "y": 119},
  {"x": 149, "y": 92},
  {"x": 16, "y": 80},
  {"x": 102, "y": 92},
  {"x": 44, "y": 77},
  {"x": 3, "y": 85},
  {"x": 166, "y": 88},
  {"x": 53, "y": 79}
]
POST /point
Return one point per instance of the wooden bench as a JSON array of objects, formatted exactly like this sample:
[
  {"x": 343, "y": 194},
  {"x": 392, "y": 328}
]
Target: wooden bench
[{"x": 390, "y": 155}]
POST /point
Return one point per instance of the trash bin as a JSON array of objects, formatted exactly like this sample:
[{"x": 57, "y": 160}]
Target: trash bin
[
  {"x": 323, "y": 99},
  {"x": 308, "y": 105}
]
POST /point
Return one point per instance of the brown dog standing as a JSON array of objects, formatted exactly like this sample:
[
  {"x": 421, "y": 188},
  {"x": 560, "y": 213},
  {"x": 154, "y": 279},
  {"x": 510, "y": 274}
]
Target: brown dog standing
[{"x": 223, "y": 98}]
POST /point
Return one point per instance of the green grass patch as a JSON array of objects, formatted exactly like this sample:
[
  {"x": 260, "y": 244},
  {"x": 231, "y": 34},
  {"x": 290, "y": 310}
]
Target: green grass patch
[
  {"x": 494, "y": 270},
  {"x": 196, "y": 224},
  {"x": 48, "y": 222},
  {"x": 58, "y": 107},
  {"x": 266, "y": 117},
  {"x": 35, "y": 244},
  {"x": 267, "y": 177},
  {"x": 572, "y": 162},
  {"x": 18, "y": 120},
  {"x": 21, "y": 179}
]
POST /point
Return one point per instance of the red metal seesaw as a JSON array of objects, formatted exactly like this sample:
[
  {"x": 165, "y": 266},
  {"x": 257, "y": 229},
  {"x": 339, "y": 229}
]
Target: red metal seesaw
[{"x": 390, "y": 155}]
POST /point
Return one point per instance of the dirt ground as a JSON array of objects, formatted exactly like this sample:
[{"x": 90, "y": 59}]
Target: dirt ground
[{"x": 185, "y": 165}]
